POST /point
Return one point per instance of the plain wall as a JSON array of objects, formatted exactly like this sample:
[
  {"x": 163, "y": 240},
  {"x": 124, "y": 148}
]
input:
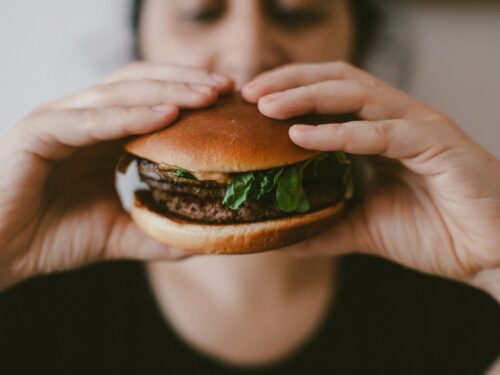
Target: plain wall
[{"x": 457, "y": 63}]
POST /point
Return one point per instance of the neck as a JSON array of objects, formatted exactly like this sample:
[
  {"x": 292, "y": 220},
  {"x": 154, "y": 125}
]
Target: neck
[
  {"x": 272, "y": 301},
  {"x": 240, "y": 276}
]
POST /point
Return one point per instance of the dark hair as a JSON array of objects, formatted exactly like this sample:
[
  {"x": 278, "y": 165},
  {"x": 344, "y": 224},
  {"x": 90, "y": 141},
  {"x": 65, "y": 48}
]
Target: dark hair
[{"x": 367, "y": 19}]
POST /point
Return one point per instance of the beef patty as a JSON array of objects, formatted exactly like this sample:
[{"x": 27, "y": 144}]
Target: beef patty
[{"x": 202, "y": 200}]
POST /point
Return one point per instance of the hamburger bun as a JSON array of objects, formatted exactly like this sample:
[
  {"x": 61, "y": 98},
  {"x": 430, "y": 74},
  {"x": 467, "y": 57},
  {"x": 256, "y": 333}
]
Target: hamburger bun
[
  {"x": 220, "y": 141},
  {"x": 230, "y": 136}
]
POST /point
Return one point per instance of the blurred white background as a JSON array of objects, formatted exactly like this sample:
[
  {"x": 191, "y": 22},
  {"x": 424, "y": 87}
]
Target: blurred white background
[
  {"x": 51, "y": 48},
  {"x": 457, "y": 63}
]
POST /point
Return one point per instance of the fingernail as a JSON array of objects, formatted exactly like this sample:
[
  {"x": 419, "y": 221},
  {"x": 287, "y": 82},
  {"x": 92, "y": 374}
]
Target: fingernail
[
  {"x": 302, "y": 128},
  {"x": 202, "y": 89},
  {"x": 163, "y": 108},
  {"x": 273, "y": 97},
  {"x": 219, "y": 79},
  {"x": 251, "y": 85}
]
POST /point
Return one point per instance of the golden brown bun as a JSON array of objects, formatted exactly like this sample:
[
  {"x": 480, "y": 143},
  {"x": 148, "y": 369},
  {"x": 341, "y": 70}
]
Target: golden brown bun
[
  {"x": 232, "y": 238},
  {"x": 230, "y": 136}
]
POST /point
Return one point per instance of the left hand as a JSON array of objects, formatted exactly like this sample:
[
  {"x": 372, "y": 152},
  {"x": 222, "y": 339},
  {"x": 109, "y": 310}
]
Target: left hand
[{"x": 436, "y": 206}]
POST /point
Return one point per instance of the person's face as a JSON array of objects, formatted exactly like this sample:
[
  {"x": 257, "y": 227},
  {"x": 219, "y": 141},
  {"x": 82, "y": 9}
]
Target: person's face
[{"x": 242, "y": 38}]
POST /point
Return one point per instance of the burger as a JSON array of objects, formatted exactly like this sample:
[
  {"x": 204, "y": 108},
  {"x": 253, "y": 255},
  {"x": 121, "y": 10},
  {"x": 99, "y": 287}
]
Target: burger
[{"x": 228, "y": 180}]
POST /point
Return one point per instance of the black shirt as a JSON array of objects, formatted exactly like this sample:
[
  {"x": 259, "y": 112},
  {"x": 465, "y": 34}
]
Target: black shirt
[{"x": 385, "y": 320}]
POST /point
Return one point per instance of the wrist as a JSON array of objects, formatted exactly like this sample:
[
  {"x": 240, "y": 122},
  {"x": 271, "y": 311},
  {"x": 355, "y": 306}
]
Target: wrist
[
  {"x": 489, "y": 281},
  {"x": 6, "y": 280},
  {"x": 8, "y": 276}
]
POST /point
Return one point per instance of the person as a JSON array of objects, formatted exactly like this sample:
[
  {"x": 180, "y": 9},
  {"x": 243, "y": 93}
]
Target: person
[{"x": 434, "y": 208}]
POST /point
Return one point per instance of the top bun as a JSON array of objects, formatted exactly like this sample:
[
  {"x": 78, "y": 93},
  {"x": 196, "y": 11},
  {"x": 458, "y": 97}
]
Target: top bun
[{"x": 230, "y": 136}]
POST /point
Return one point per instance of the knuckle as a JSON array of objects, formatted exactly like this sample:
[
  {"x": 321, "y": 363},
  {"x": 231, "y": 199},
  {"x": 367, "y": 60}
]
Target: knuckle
[
  {"x": 374, "y": 83},
  {"x": 18, "y": 131},
  {"x": 26, "y": 131},
  {"x": 442, "y": 120},
  {"x": 382, "y": 133},
  {"x": 358, "y": 85},
  {"x": 151, "y": 84},
  {"x": 205, "y": 75},
  {"x": 342, "y": 134},
  {"x": 128, "y": 70},
  {"x": 186, "y": 87},
  {"x": 311, "y": 94},
  {"x": 189, "y": 69},
  {"x": 289, "y": 69},
  {"x": 407, "y": 123},
  {"x": 358, "y": 89},
  {"x": 274, "y": 72},
  {"x": 89, "y": 120},
  {"x": 445, "y": 128},
  {"x": 382, "y": 130},
  {"x": 183, "y": 70},
  {"x": 438, "y": 122},
  {"x": 123, "y": 113},
  {"x": 27, "y": 122},
  {"x": 340, "y": 65},
  {"x": 355, "y": 85},
  {"x": 137, "y": 65},
  {"x": 132, "y": 67},
  {"x": 294, "y": 67},
  {"x": 95, "y": 93},
  {"x": 42, "y": 109}
]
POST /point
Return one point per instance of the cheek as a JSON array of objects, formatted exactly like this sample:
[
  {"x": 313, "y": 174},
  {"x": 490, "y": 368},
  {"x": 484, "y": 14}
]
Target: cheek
[
  {"x": 172, "y": 49},
  {"x": 329, "y": 47},
  {"x": 332, "y": 41},
  {"x": 161, "y": 40}
]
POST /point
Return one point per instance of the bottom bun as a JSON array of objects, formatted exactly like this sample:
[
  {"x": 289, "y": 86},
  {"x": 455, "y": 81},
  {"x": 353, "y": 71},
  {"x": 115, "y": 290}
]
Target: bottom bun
[{"x": 242, "y": 238}]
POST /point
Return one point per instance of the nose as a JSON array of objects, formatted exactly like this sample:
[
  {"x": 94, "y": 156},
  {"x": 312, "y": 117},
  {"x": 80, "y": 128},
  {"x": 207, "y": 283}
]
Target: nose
[{"x": 246, "y": 46}]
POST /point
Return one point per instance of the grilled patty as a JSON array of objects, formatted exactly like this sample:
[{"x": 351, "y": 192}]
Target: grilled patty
[{"x": 202, "y": 200}]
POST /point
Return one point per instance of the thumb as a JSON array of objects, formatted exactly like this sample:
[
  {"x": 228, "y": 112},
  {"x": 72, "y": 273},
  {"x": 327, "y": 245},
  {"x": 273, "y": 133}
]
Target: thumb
[{"x": 128, "y": 241}]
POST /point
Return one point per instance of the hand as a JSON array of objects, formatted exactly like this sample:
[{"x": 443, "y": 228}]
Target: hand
[
  {"x": 58, "y": 204},
  {"x": 436, "y": 206}
]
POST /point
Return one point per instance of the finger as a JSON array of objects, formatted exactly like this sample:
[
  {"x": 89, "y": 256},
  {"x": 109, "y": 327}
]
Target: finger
[
  {"x": 140, "y": 93},
  {"x": 350, "y": 234},
  {"x": 55, "y": 135},
  {"x": 339, "y": 240},
  {"x": 170, "y": 72},
  {"x": 296, "y": 75},
  {"x": 127, "y": 241},
  {"x": 338, "y": 97},
  {"x": 414, "y": 143}
]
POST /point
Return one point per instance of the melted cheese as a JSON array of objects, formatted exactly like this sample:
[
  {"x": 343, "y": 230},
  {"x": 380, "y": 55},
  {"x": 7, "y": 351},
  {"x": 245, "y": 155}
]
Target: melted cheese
[{"x": 221, "y": 178}]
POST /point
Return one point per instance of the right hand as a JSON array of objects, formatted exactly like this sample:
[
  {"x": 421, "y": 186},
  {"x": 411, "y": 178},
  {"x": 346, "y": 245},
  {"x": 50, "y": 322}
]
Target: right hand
[{"x": 58, "y": 205}]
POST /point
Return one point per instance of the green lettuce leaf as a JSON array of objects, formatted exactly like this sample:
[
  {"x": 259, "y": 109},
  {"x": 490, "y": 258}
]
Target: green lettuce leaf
[
  {"x": 267, "y": 182},
  {"x": 290, "y": 194},
  {"x": 348, "y": 184},
  {"x": 342, "y": 158},
  {"x": 181, "y": 172},
  {"x": 285, "y": 184},
  {"x": 238, "y": 192}
]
